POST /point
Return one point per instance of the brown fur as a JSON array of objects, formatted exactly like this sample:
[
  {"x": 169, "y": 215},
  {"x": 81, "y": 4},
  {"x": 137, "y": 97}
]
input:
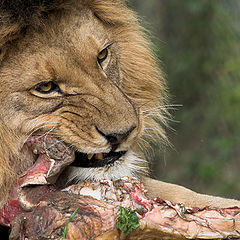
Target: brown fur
[{"x": 64, "y": 48}]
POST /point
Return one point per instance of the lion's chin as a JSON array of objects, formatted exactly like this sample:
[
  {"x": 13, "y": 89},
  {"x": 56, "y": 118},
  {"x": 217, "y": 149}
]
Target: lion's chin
[{"x": 127, "y": 165}]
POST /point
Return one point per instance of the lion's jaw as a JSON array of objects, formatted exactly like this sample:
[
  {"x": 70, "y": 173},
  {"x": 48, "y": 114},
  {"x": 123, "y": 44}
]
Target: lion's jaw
[{"x": 128, "y": 165}]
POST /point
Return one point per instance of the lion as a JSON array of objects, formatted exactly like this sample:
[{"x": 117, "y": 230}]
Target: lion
[{"x": 83, "y": 71}]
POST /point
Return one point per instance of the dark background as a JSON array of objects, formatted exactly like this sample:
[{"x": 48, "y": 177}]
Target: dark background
[{"x": 198, "y": 44}]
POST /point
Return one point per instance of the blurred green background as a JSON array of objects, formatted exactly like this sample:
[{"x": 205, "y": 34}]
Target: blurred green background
[{"x": 198, "y": 44}]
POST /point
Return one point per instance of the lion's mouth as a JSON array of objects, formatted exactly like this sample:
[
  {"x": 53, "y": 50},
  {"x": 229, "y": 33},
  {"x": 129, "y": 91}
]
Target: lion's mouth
[
  {"x": 96, "y": 160},
  {"x": 56, "y": 149}
]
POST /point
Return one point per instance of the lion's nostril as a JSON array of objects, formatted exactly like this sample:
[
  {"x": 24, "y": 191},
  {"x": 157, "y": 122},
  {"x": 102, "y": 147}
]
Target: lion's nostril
[{"x": 112, "y": 139}]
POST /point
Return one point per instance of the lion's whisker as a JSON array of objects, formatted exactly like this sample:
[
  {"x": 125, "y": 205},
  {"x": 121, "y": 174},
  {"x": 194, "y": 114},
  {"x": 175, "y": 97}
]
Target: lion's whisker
[{"x": 48, "y": 125}]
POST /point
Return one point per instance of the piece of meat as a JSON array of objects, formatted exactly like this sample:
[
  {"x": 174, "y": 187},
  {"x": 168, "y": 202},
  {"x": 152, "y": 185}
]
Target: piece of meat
[
  {"x": 38, "y": 209},
  {"x": 98, "y": 205}
]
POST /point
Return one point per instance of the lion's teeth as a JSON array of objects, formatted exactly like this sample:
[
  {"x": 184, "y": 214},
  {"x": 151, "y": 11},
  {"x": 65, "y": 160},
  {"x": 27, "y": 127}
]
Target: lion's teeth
[
  {"x": 99, "y": 156},
  {"x": 96, "y": 156},
  {"x": 90, "y": 156}
]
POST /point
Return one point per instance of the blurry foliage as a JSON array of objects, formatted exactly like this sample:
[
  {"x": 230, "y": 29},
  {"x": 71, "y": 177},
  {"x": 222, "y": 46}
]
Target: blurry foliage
[{"x": 200, "y": 50}]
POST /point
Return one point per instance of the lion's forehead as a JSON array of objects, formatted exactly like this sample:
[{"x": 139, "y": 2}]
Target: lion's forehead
[
  {"x": 65, "y": 54},
  {"x": 68, "y": 39}
]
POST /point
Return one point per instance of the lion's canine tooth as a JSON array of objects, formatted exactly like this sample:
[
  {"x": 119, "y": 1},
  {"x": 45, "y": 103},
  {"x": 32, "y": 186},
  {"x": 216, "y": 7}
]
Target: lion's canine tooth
[
  {"x": 99, "y": 156},
  {"x": 90, "y": 156}
]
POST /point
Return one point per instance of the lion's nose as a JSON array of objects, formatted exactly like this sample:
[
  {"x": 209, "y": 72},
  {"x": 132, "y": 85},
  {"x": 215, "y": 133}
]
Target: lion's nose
[{"x": 115, "y": 139}]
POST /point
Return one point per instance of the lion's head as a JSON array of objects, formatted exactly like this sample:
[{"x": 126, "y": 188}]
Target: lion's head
[{"x": 81, "y": 71}]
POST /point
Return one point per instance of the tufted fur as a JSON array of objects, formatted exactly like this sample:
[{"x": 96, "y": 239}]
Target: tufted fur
[{"x": 16, "y": 15}]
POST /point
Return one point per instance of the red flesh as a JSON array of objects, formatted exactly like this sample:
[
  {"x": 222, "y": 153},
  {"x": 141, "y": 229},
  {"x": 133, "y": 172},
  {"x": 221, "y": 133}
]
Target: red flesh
[{"x": 51, "y": 161}]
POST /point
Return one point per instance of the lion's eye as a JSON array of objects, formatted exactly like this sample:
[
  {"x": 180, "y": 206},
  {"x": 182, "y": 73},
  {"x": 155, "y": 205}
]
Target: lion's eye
[
  {"x": 102, "y": 56},
  {"x": 47, "y": 87}
]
